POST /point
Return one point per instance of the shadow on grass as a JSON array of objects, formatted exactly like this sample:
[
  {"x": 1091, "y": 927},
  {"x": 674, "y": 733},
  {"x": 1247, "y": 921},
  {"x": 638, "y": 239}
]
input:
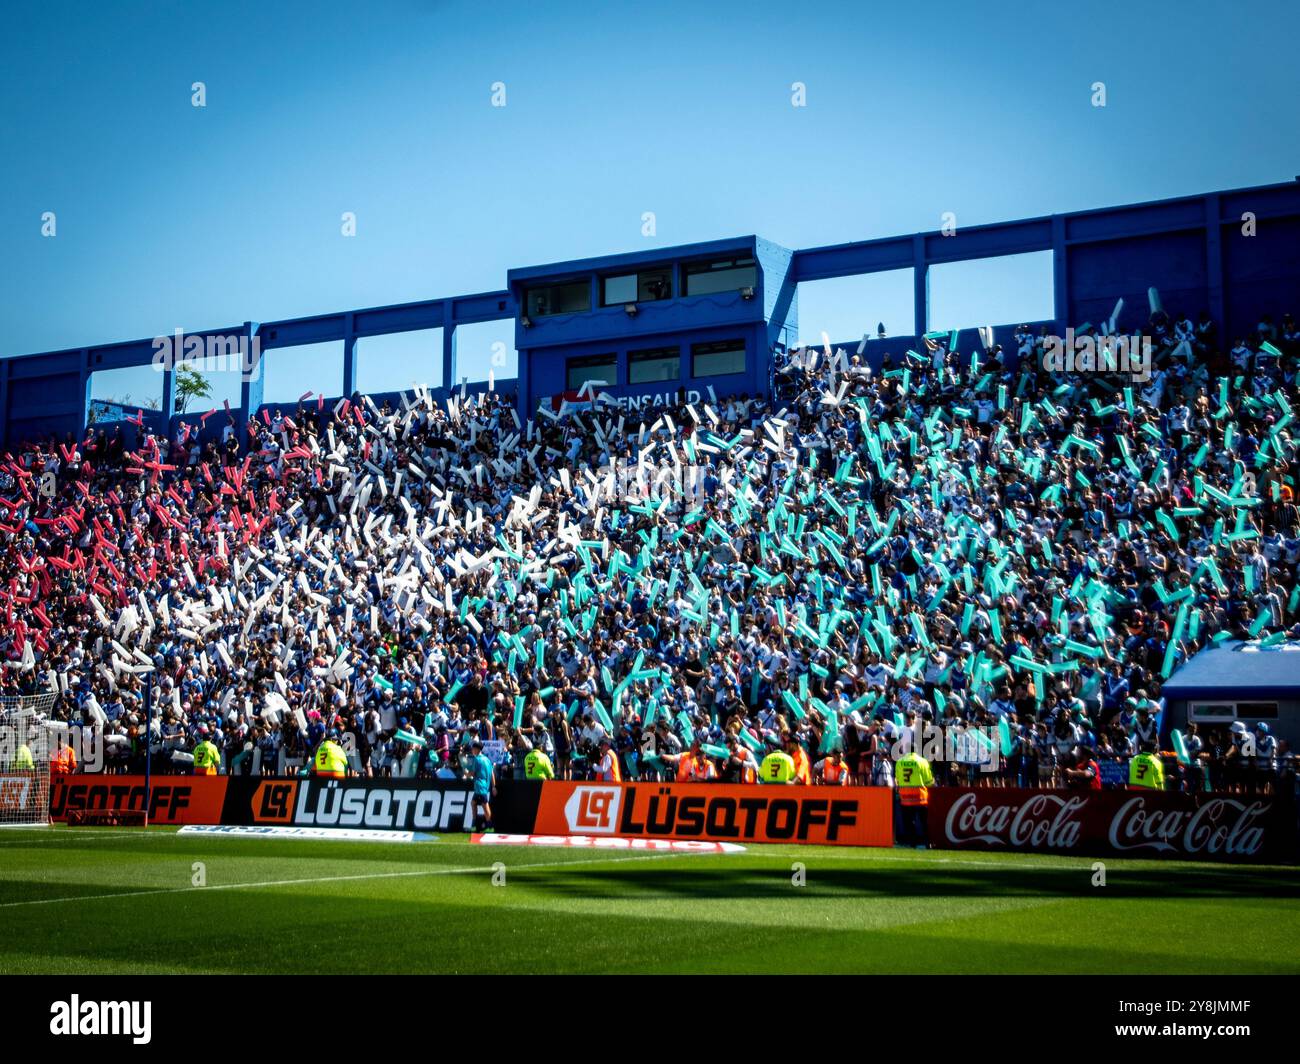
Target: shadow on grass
[{"x": 679, "y": 881}]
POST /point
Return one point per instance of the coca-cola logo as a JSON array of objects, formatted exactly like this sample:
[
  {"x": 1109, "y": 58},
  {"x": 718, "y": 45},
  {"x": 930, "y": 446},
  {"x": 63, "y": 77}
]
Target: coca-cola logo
[
  {"x": 1219, "y": 826},
  {"x": 1048, "y": 821}
]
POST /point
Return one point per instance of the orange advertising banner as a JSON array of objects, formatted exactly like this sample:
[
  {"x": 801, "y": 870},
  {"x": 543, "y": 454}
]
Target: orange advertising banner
[
  {"x": 840, "y": 816},
  {"x": 172, "y": 799}
]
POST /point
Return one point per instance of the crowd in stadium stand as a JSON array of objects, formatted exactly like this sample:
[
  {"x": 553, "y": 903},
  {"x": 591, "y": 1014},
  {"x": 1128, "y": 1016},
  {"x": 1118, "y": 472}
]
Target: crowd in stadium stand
[{"x": 957, "y": 540}]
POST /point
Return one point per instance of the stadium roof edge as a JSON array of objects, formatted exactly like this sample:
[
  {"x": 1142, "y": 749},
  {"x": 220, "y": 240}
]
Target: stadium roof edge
[
  {"x": 1047, "y": 218},
  {"x": 1233, "y": 667},
  {"x": 597, "y": 263}
]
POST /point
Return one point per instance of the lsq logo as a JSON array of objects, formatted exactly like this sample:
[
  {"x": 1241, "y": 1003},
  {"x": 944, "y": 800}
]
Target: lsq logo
[{"x": 593, "y": 810}]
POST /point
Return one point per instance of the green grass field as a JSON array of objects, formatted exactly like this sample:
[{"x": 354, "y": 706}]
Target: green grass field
[{"x": 113, "y": 900}]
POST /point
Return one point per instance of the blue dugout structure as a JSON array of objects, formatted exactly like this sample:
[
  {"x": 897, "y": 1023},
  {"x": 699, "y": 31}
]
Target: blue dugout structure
[{"x": 707, "y": 316}]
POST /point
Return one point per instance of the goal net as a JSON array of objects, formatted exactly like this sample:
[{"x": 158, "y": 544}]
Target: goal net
[{"x": 27, "y": 744}]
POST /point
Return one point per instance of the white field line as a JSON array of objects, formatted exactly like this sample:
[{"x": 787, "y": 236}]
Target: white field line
[{"x": 337, "y": 879}]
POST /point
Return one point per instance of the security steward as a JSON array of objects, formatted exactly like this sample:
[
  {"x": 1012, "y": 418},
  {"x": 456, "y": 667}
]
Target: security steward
[
  {"x": 912, "y": 779},
  {"x": 799, "y": 757},
  {"x": 330, "y": 762},
  {"x": 207, "y": 758},
  {"x": 537, "y": 766},
  {"x": 777, "y": 767},
  {"x": 1146, "y": 770}
]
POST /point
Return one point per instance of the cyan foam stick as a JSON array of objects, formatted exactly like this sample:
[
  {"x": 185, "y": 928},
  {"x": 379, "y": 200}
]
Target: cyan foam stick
[
  {"x": 519, "y": 711},
  {"x": 450, "y": 696},
  {"x": 793, "y": 704},
  {"x": 1180, "y": 747},
  {"x": 831, "y": 739},
  {"x": 409, "y": 737},
  {"x": 1260, "y": 620},
  {"x": 919, "y": 628},
  {"x": 1084, "y": 649},
  {"x": 981, "y": 738},
  {"x": 1004, "y": 736}
]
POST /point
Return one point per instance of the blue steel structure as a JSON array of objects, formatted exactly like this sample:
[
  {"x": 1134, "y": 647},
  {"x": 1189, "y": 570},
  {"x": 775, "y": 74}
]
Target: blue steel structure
[{"x": 1194, "y": 249}]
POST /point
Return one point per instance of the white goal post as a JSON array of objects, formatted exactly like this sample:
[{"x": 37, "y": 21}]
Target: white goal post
[{"x": 27, "y": 743}]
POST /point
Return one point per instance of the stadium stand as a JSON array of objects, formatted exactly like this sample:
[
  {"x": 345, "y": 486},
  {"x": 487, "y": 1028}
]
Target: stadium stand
[{"x": 946, "y": 540}]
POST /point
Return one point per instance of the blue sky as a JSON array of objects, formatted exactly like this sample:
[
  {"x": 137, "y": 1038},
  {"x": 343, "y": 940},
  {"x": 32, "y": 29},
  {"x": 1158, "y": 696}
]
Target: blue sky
[{"x": 173, "y": 216}]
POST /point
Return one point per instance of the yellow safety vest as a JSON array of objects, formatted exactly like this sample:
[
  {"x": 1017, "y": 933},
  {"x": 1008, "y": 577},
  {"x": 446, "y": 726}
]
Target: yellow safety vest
[
  {"x": 206, "y": 759},
  {"x": 23, "y": 759},
  {"x": 537, "y": 766},
  {"x": 1145, "y": 770},
  {"x": 912, "y": 777},
  {"x": 777, "y": 767},
  {"x": 330, "y": 759}
]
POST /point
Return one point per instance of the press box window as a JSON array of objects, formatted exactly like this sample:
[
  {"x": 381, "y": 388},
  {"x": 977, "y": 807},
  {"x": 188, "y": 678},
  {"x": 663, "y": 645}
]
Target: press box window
[
  {"x": 571, "y": 298},
  {"x": 1222, "y": 712},
  {"x": 593, "y": 368},
  {"x": 644, "y": 287},
  {"x": 718, "y": 359},
  {"x": 656, "y": 364},
  {"x": 721, "y": 275}
]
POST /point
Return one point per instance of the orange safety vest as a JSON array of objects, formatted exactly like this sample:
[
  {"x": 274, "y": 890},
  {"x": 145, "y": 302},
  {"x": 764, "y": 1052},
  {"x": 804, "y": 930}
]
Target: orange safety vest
[
  {"x": 833, "y": 773},
  {"x": 914, "y": 795},
  {"x": 613, "y": 775},
  {"x": 802, "y": 767},
  {"x": 65, "y": 762},
  {"x": 693, "y": 768}
]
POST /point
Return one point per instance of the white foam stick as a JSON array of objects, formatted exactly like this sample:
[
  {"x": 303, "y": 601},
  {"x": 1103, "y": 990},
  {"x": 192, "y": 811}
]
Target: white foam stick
[
  {"x": 1114, "y": 317},
  {"x": 1153, "y": 300}
]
